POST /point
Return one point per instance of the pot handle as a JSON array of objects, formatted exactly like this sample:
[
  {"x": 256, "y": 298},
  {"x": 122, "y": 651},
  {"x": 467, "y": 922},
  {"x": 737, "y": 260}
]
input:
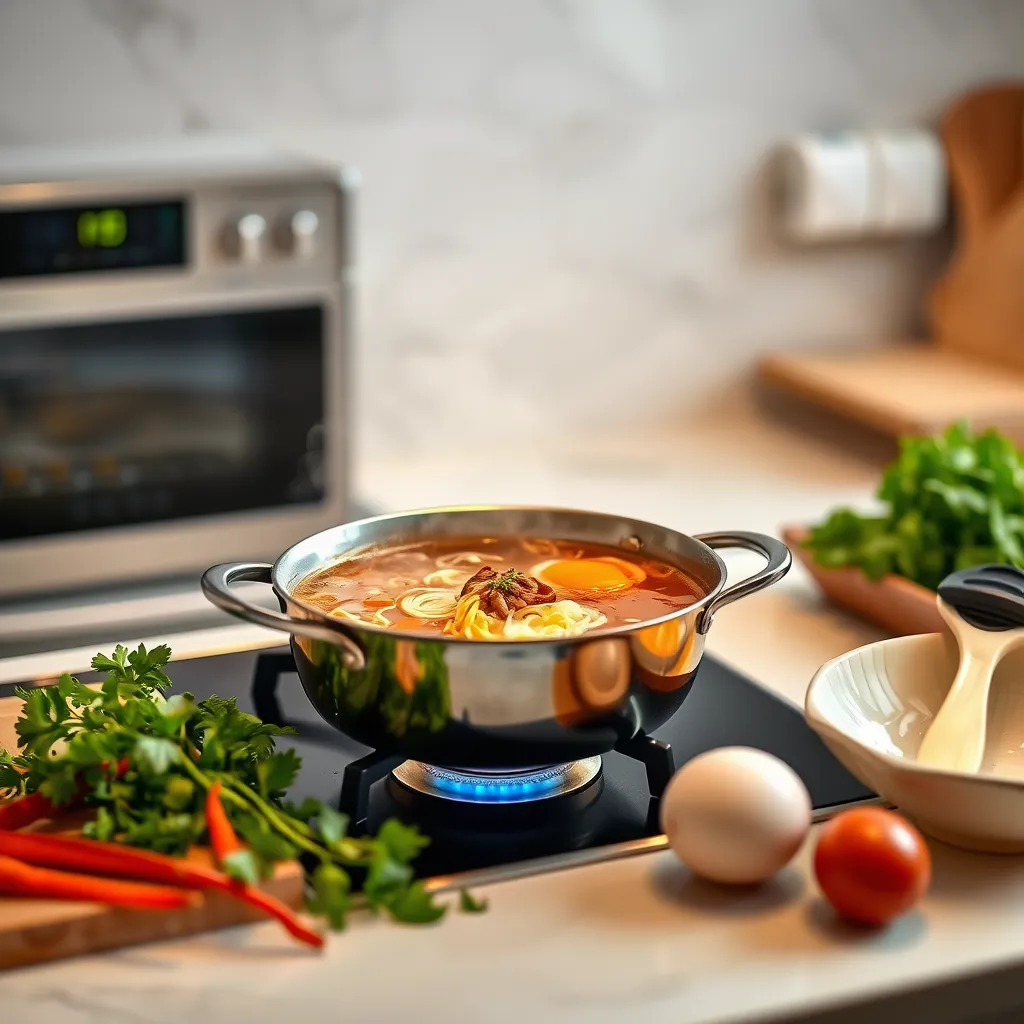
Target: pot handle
[
  {"x": 779, "y": 562},
  {"x": 216, "y": 584}
]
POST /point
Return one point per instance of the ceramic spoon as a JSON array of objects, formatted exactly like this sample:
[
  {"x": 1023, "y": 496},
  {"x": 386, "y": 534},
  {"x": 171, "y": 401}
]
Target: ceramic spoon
[{"x": 984, "y": 607}]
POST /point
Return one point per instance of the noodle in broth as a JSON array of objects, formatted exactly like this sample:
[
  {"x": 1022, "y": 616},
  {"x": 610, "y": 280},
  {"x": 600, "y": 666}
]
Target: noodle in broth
[{"x": 498, "y": 588}]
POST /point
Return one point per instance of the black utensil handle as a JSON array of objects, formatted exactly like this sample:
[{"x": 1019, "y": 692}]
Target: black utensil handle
[
  {"x": 217, "y": 582},
  {"x": 776, "y": 554},
  {"x": 987, "y": 596}
]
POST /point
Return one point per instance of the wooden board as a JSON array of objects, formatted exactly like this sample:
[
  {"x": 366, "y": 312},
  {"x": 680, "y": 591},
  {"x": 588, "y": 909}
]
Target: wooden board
[
  {"x": 898, "y": 605},
  {"x": 977, "y": 305},
  {"x": 903, "y": 389},
  {"x": 983, "y": 135},
  {"x": 10, "y": 709},
  {"x": 977, "y": 308},
  {"x": 35, "y": 931}
]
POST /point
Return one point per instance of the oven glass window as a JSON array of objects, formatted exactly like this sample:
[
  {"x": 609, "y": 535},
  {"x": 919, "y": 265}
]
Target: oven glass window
[{"x": 143, "y": 421}]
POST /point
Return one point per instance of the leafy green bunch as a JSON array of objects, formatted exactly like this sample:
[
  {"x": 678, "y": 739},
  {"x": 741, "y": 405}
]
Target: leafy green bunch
[
  {"x": 144, "y": 763},
  {"x": 950, "y": 502}
]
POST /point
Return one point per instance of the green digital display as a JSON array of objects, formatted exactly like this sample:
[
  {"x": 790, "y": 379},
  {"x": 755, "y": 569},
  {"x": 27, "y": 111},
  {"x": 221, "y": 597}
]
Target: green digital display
[
  {"x": 83, "y": 239},
  {"x": 106, "y": 228}
]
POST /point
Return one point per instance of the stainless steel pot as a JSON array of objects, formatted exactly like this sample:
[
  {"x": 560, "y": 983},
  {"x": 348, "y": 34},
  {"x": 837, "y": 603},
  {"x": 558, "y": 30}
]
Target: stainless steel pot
[{"x": 496, "y": 704}]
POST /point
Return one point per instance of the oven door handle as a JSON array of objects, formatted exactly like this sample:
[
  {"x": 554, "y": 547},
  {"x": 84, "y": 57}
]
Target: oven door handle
[{"x": 217, "y": 583}]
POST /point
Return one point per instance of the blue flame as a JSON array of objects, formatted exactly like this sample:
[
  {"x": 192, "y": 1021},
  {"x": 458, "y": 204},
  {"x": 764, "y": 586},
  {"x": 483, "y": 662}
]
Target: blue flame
[{"x": 495, "y": 789}]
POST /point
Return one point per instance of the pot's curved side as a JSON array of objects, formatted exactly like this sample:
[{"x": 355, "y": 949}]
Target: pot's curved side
[{"x": 501, "y": 705}]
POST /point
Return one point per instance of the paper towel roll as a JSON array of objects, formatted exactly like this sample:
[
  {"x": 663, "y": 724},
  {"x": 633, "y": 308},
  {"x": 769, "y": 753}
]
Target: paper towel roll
[
  {"x": 827, "y": 190},
  {"x": 910, "y": 182},
  {"x": 851, "y": 185}
]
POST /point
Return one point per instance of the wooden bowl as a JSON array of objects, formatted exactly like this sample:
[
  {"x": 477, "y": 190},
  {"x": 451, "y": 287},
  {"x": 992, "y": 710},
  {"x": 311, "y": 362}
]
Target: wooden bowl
[{"x": 896, "y": 604}]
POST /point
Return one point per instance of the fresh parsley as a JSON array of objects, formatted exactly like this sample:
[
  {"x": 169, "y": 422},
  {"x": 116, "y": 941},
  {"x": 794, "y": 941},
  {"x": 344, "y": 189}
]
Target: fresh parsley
[
  {"x": 948, "y": 503},
  {"x": 143, "y": 762},
  {"x": 469, "y": 904}
]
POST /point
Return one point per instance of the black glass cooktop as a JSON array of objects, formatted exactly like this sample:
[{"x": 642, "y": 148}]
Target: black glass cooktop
[{"x": 615, "y": 807}]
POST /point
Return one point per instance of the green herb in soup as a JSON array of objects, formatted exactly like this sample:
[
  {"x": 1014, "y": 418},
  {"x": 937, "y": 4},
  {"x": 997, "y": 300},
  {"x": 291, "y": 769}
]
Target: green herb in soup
[{"x": 498, "y": 588}]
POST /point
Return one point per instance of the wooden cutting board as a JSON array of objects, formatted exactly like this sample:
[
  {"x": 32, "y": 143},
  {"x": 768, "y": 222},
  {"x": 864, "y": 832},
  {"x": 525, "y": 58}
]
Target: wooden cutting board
[
  {"x": 903, "y": 389},
  {"x": 977, "y": 306},
  {"x": 35, "y": 931}
]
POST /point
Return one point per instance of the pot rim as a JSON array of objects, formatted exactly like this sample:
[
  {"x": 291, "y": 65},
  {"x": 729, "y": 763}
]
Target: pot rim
[{"x": 627, "y": 629}]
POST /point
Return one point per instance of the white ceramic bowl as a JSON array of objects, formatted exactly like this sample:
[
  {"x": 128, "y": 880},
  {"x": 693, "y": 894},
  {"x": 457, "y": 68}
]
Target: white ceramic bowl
[{"x": 873, "y": 705}]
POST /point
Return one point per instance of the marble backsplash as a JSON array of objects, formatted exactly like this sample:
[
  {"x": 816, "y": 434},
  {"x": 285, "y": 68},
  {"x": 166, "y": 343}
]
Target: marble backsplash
[{"x": 564, "y": 214}]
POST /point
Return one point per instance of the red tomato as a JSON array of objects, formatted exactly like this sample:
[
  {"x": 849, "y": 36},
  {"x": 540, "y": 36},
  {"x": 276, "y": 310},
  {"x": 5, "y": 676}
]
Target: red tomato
[{"x": 872, "y": 865}]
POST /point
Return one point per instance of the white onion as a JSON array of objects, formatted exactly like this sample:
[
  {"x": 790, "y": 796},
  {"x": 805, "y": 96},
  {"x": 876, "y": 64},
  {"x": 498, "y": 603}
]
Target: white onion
[
  {"x": 401, "y": 582},
  {"x": 540, "y": 546},
  {"x": 427, "y": 603},
  {"x": 454, "y": 578},
  {"x": 378, "y": 618},
  {"x": 463, "y": 559}
]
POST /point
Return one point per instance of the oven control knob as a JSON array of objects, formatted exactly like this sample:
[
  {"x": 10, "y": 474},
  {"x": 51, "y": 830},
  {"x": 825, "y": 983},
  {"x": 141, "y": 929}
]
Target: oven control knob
[
  {"x": 247, "y": 237},
  {"x": 302, "y": 230}
]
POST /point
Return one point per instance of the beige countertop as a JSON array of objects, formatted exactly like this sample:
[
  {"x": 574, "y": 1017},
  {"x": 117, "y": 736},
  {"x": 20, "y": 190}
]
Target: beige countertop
[{"x": 635, "y": 938}]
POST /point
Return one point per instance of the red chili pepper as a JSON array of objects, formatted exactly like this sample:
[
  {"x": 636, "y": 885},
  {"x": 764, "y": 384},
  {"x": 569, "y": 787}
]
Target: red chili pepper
[
  {"x": 33, "y": 807},
  {"x": 125, "y": 862},
  {"x": 24, "y": 810},
  {"x": 274, "y": 908},
  {"x": 123, "y": 765},
  {"x": 19, "y": 879},
  {"x": 222, "y": 835}
]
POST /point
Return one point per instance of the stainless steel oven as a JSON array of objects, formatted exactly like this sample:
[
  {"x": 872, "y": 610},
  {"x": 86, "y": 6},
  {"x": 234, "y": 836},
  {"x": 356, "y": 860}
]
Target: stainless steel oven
[{"x": 174, "y": 329}]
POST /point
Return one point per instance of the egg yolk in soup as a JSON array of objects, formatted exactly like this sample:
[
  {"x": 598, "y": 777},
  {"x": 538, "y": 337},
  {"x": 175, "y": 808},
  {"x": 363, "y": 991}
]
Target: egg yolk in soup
[
  {"x": 601, "y": 575},
  {"x": 498, "y": 588}
]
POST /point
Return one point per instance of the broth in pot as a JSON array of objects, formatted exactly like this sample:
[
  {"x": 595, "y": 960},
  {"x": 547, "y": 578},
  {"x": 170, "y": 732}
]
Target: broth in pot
[{"x": 498, "y": 588}]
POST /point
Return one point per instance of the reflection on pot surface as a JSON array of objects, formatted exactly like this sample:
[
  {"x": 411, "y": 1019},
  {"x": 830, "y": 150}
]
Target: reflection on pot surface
[
  {"x": 667, "y": 654},
  {"x": 403, "y": 689}
]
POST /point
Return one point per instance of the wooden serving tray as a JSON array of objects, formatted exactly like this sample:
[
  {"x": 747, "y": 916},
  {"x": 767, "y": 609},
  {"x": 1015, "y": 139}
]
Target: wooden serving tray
[
  {"x": 898, "y": 605},
  {"x": 34, "y": 931}
]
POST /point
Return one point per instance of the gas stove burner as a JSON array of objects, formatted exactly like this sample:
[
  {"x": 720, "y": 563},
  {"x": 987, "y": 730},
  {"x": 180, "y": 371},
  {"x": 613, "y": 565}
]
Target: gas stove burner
[
  {"x": 482, "y": 786},
  {"x": 547, "y": 815}
]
